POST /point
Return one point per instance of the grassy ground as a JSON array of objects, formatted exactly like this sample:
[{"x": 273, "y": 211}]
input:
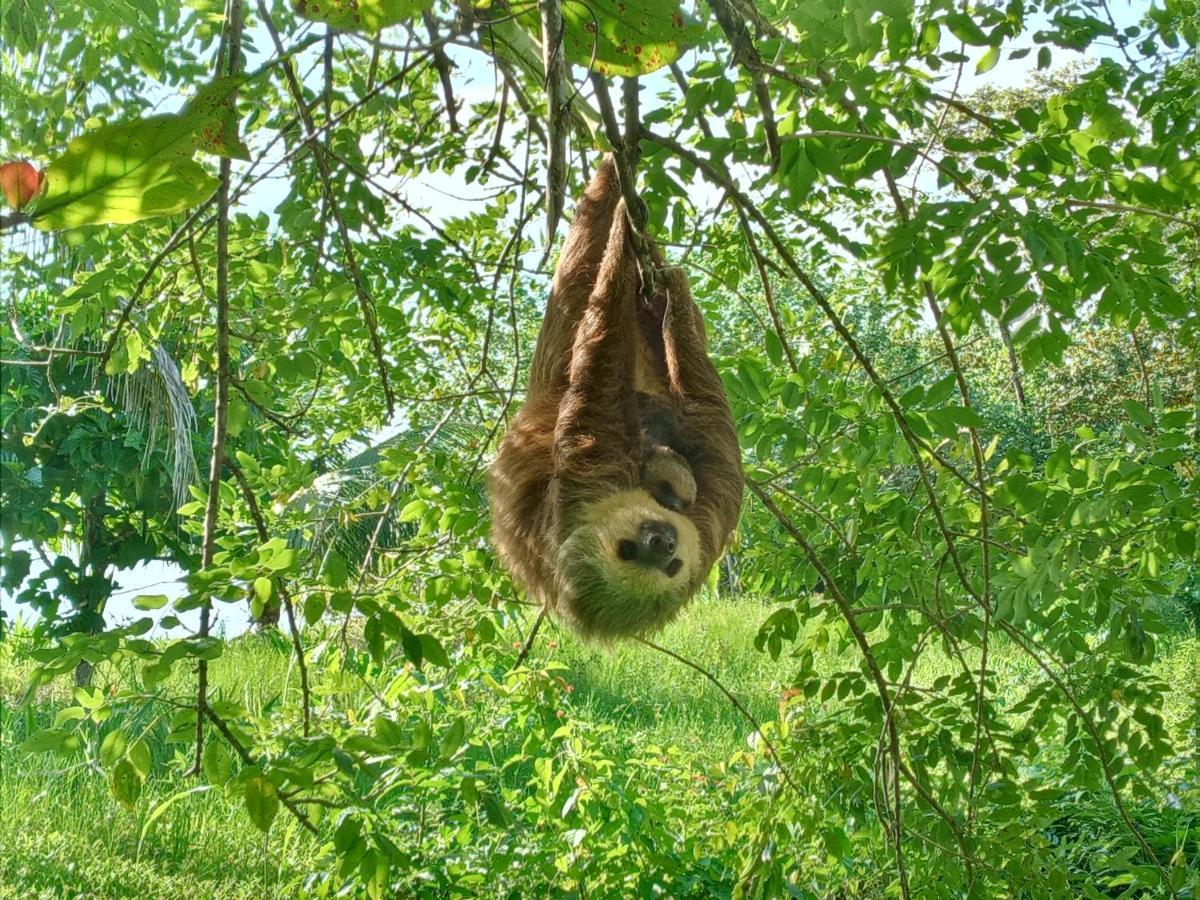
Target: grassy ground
[{"x": 62, "y": 835}]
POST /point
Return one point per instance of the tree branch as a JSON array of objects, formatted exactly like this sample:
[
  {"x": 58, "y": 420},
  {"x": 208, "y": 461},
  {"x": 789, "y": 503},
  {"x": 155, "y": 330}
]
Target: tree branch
[
  {"x": 231, "y": 44},
  {"x": 366, "y": 304}
]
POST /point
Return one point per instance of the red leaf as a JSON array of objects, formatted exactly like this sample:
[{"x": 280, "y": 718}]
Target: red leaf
[{"x": 20, "y": 182}]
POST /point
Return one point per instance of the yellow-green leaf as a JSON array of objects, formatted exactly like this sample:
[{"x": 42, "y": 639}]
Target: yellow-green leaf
[
  {"x": 262, "y": 801},
  {"x": 988, "y": 61},
  {"x": 112, "y": 748},
  {"x": 617, "y": 38},
  {"x": 124, "y": 173},
  {"x": 129, "y": 171},
  {"x": 140, "y": 758},
  {"x": 214, "y": 105},
  {"x": 366, "y": 16},
  {"x": 262, "y": 589},
  {"x": 216, "y": 763}
]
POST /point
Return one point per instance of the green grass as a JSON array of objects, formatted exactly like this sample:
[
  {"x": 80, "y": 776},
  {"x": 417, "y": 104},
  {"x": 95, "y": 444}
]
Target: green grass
[{"x": 63, "y": 835}]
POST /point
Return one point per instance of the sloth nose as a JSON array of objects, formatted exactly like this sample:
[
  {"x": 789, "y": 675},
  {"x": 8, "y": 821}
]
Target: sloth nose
[{"x": 656, "y": 542}]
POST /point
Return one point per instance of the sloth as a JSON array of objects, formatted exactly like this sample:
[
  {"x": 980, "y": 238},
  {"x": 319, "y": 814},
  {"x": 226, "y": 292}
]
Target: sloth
[
  {"x": 665, "y": 474},
  {"x": 619, "y": 481}
]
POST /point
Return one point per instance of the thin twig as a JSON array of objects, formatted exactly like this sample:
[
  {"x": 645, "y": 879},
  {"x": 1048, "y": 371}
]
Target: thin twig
[
  {"x": 1136, "y": 210},
  {"x": 264, "y": 535},
  {"x": 864, "y": 646},
  {"x": 291, "y": 805},
  {"x": 625, "y": 155},
  {"x": 528, "y": 645},
  {"x": 444, "y": 66},
  {"x": 172, "y": 242},
  {"x": 366, "y": 303},
  {"x": 746, "y": 54},
  {"x": 737, "y": 704}
]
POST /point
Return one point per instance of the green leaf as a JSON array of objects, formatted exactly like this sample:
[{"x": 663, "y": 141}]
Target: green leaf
[
  {"x": 262, "y": 801},
  {"x": 151, "y": 601},
  {"x": 336, "y": 570},
  {"x": 836, "y": 843},
  {"x": 281, "y": 559},
  {"x": 125, "y": 784},
  {"x": 454, "y": 737},
  {"x": 614, "y": 39},
  {"x": 346, "y": 834},
  {"x": 412, "y": 647},
  {"x": 314, "y": 608},
  {"x": 262, "y": 589},
  {"x": 126, "y": 172},
  {"x": 363, "y": 16},
  {"x": 611, "y": 38},
  {"x": 69, "y": 714},
  {"x": 214, "y": 102},
  {"x": 1138, "y": 413},
  {"x": 140, "y": 758},
  {"x": 432, "y": 650},
  {"x": 931, "y": 36},
  {"x": 963, "y": 27},
  {"x": 774, "y": 346},
  {"x": 89, "y": 698},
  {"x": 43, "y": 741},
  {"x": 988, "y": 61},
  {"x": 963, "y": 415},
  {"x": 940, "y": 390},
  {"x": 216, "y": 763},
  {"x": 413, "y": 510},
  {"x": 112, "y": 748}
]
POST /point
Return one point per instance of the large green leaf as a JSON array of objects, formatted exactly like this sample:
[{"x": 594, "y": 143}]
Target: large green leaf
[
  {"x": 607, "y": 35},
  {"x": 370, "y": 16},
  {"x": 618, "y": 38},
  {"x": 136, "y": 170},
  {"x": 262, "y": 801},
  {"x": 215, "y": 104}
]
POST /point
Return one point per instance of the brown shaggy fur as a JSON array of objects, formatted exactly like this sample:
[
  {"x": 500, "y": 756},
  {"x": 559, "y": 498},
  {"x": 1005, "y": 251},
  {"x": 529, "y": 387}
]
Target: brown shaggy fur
[{"x": 613, "y": 377}]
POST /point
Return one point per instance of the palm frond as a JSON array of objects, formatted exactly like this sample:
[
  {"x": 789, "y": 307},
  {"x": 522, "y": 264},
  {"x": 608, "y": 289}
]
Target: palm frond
[{"x": 156, "y": 400}]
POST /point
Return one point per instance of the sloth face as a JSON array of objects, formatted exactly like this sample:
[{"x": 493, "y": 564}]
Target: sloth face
[
  {"x": 668, "y": 478},
  {"x": 628, "y": 565}
]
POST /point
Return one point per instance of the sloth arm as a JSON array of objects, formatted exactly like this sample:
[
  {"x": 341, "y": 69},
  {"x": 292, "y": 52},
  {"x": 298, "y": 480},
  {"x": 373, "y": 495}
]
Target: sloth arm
[
  {"x": 704, "y": 423},
  {"x": 578, "y": 267},
  {"x": 598, "y": 434}
]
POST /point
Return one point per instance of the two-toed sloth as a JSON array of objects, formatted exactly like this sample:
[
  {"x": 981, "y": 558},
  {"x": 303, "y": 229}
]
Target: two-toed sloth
[{"x": 619, "y": 481}]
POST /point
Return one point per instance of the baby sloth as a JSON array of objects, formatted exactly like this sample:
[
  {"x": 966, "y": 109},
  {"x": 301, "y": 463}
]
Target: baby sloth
[
  {"x": 667, "y": 477},
  {"x": 665, "y": 474},
  {"x": 619, "y": 481}
]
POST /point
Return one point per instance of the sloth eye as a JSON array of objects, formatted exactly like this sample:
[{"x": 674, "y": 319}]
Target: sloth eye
[
  {"x": 627, "y": 550},
  {"x": 673, "y": 569},
  {"x": 665, "y": 487}
]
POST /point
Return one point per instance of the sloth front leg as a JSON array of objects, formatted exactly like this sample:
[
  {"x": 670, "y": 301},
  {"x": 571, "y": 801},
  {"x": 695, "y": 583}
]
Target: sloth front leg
[
  {"x": 597, "y": 435},
  {"x": 575, "y": 277},
  {"x": 704, "y": 422}
]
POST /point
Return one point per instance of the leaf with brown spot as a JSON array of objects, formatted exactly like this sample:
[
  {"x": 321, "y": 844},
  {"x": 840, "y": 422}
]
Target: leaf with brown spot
[{"x": 363, "y": 16}]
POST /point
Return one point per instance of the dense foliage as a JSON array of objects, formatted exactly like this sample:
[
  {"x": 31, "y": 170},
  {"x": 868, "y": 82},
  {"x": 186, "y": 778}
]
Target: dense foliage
[{"x": 271, "y": 283}]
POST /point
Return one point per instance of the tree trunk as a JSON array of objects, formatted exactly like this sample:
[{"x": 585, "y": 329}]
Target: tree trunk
[{"x": 93, "y": 607}]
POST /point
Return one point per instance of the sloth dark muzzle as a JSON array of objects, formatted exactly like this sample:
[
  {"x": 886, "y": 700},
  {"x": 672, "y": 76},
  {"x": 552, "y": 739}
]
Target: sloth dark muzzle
[{"x": 656, "y": 543}]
